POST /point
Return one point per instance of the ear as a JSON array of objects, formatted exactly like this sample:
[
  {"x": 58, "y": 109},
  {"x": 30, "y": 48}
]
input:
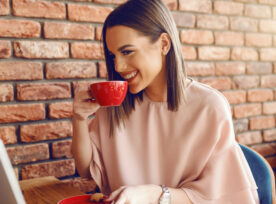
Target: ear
[{"x": 165, "y": 43}]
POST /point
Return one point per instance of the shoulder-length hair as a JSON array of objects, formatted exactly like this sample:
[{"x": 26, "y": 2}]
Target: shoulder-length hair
[{"x": 151, "y": 18}]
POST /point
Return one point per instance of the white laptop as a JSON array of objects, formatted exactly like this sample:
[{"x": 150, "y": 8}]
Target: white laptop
[{"x": 10, "y": 192}]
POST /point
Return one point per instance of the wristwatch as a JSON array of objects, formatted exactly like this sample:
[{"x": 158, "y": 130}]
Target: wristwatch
[{"x": 166, "y": 196}]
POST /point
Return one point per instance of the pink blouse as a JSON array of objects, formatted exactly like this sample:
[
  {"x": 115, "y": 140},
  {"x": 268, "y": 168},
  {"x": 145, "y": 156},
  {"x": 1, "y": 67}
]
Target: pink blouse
[{"x": 193, "y": 149}]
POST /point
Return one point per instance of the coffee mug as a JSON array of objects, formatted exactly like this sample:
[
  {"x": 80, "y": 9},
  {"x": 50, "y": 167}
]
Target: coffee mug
[{"x": 109, "y": 93}]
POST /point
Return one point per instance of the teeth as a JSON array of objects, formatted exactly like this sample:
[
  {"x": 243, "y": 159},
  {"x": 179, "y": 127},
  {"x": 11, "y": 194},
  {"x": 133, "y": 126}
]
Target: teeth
[{"x": 129, "y": 76}]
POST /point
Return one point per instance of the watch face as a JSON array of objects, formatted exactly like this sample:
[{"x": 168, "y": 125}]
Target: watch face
[{"x": 165, "y": 199}]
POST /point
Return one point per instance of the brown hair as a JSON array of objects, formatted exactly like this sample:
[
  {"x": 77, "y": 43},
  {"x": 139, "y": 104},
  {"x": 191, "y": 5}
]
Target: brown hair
[{"x": 151, "y": 18}]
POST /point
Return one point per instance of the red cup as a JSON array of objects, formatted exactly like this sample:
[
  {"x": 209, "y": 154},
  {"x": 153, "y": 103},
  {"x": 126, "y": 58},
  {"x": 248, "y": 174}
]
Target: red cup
[
  {"x": 81, "y": 199},
  {"x": 109, "y": 93}
]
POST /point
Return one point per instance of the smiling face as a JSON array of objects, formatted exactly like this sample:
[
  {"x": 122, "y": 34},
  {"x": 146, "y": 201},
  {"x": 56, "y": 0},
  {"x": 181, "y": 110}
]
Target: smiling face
[{"x": 138, "y": 60}]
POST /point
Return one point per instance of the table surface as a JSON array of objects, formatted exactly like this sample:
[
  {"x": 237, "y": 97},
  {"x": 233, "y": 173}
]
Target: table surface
[{"x": 46, "y": 190}]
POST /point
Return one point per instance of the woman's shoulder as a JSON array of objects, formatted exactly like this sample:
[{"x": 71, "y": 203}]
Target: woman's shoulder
[{"x": 204, "y": 95}]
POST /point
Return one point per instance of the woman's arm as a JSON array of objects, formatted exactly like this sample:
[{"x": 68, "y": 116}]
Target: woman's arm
[
  {"x": 146, "y": 194},
  {"x": 81, "y": 145}
]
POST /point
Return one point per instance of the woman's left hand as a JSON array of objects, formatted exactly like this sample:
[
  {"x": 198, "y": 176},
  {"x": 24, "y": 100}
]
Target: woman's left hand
[{"x": 146, "y": 194}]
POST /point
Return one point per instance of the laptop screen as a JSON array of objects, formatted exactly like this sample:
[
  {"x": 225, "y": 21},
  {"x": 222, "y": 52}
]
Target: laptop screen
[{"x": 10, "y": 191}]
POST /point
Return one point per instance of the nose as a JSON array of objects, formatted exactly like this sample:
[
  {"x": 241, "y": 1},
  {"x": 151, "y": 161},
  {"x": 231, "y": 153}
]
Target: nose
[{"x": 120, "y": 64}]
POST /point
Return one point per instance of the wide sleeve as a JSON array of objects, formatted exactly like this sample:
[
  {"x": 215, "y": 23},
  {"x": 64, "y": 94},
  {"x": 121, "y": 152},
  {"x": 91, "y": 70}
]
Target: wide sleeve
[
  {"x": 97, "y": 169},
  {"x": 225, "y": 176}
]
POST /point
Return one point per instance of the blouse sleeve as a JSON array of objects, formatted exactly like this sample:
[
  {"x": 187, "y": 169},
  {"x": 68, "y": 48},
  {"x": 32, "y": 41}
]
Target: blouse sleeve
[
  {"x": 97, "y": 170},
  {"x": 225, "y": 176}
]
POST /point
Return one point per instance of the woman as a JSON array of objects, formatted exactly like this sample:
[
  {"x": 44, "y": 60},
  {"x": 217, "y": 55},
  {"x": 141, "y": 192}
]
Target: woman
[{"x": 172, "y": 140}]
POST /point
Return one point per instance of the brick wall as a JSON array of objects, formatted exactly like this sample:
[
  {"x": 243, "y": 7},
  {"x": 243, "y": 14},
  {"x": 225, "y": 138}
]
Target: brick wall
[{"x": 47, "y": 48}]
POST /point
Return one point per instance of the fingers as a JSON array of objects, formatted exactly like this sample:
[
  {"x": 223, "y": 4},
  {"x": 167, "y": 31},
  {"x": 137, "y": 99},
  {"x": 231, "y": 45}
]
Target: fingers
[
  {"x": 121, "y": 201},
  {"x": 115, "y": 194}
]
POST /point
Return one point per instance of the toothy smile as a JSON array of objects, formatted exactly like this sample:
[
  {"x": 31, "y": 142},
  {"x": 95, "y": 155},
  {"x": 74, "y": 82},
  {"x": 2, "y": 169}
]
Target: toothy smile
[{"x": 131, "y": 75}]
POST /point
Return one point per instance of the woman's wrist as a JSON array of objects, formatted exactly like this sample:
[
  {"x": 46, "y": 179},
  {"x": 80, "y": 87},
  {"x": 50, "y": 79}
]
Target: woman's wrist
[{"x": 79, "y": 117}]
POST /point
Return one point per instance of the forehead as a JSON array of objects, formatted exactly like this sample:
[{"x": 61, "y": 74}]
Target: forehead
[{"x": 118, "y": 36}]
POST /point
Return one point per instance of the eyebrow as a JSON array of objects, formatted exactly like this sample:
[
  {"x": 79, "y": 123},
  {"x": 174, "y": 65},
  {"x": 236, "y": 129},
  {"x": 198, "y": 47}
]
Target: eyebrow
[{"x": 124, "y": 46}]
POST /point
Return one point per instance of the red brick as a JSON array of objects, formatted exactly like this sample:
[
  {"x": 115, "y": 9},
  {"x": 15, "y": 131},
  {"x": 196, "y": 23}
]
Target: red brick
[
  {"x": 258, "y": 40},
  {"x": 61, "y": 110},
  {"x": 43, "y": 91},
  {"x": 272, "y": 162},
  {"x": 270, "y": 135},
  {"x": 184, "y": 19},
  {"x": 202, "y": 6},
  {"x": 260, "y": 95},
  {"x": 67, "y": 70},
  {"x": 197, "y": 37},
  {"x": 46, "y": 131},
  {"x": 230, "y": 68},
  {"x": 268, "y": 54},
  {"x": 68, "y": 31},
  {"x": 102, "y": 70},
  {"x": 229, "y": 38},
  {"x": 19, "y": 28},
  {"x": 268, "y": 2},
  {"x": 86, "y": 13},
  {"x": 19, "y": 70},
  {"x": 189, "y": 52},
  {"x": 262, "y": 122},
  {"x": 249, "y": 138},
  {"x": 83, "y": 184},
  {"x": 99, "y": 33},
  {"x": 213, "y": 53},
  {"x": 7, "y": 134},
  {"x": 21, "y": 112},
  {"x": 257, "y": 11},
  {"x": 245, "y": 82},
  {"x": 28, "y": 153},
  {"x": 6, "y": 92},
  {"x": 4, "y": 7},
  {"x": 220, "y": 83},
  {"x": 82, "y": 50},
  {"x": 5, "y": 49},
  {"x": 268, "y": 26},
  {"x": 268, "y": 81},
  {"x": 259, "y": 68},
  {"x": 171, "y": 4},
  {"x": 265, "y": 149},
  {"x": 247, "y": 1},
  {"x": 39, "y": 9},
  {"x": 241, "y": 125},
  {"x": 57, "y": 168},
  {"x": 110, "y": 1},
  {"x": 200, "y": 68},
  {"x": 247, "y": 54},
  {"x": 42, "y": 49},
  {"x": 246, "y": 110},
  {"x": 212, "y": 22},
  {"x": 62, "y": 149},
  {"x": 269, "y": 108},
  {"x": 244, "y": 24},
  {"x": 228, "y": 8},
  {"x": 235, "y": 97}
]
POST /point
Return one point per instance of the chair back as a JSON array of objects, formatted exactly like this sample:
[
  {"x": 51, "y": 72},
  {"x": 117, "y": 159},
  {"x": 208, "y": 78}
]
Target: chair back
[{"x": 263, "y": 175}]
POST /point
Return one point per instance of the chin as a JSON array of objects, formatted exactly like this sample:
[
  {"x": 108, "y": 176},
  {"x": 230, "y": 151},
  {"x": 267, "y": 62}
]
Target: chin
[{"x": 133, "y": 90}]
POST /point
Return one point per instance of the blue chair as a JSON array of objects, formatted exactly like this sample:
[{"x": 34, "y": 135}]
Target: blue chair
[{"x": 263, "y": 175}]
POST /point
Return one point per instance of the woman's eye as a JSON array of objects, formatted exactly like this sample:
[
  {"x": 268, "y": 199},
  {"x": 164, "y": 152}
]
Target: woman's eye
[{"x": 126, "y": 52}]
